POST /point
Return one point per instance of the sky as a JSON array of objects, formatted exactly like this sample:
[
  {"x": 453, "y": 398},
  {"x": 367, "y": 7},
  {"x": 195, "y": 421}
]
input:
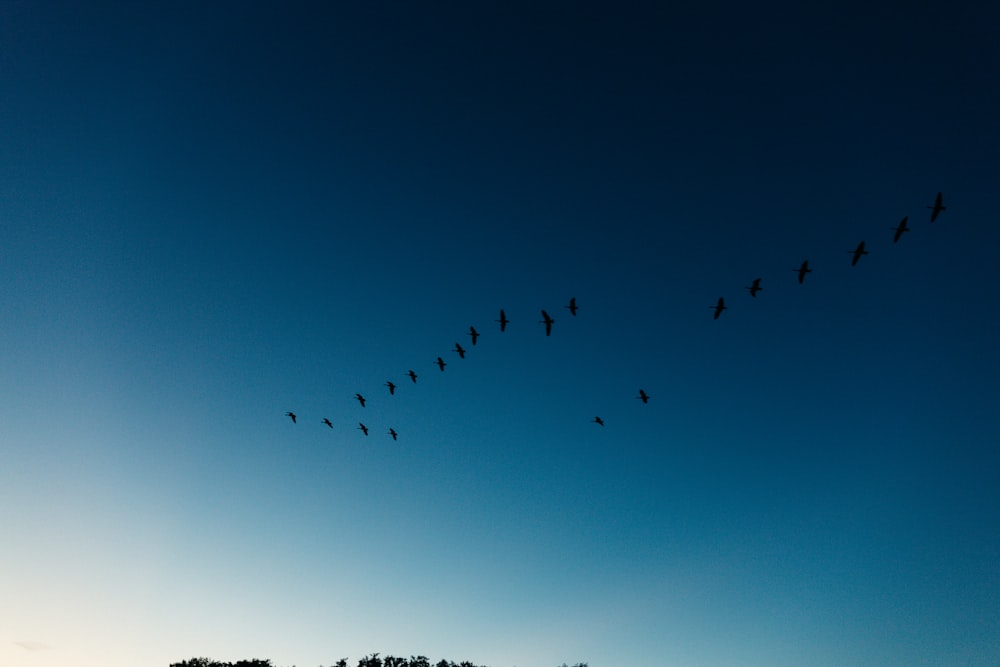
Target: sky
[{"x": 212, "y": 214}]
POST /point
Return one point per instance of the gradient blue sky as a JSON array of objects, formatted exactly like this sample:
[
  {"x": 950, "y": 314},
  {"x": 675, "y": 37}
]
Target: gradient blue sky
[{"x": 210, "y": 215}]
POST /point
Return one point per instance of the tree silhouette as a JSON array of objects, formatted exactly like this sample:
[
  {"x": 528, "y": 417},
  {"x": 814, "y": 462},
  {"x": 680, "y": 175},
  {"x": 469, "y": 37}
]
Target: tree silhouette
[
  {"x": 208, "y": 662},
  {"x": 372, "y": 660}
]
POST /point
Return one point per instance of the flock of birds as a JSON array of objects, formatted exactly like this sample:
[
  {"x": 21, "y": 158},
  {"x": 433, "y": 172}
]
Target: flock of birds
[
  {"x": 474, "y": 335},
  {"x": 936, "y": 209},
  {"x": 754, "y": 288}
]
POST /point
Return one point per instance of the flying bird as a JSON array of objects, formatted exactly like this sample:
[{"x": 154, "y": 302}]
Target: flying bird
[
  {"x": 548, "y": 321},
  {"x": 361, "y": 399},
  {"x": 292, "y": 415},
  {"x": 441, "y": 364},
  {"x": 362, "y": 428},
  {"x": 474, "y": 334},
  {"x": 392, "y": 387},
  {"x": 503, "y": 320},
  {"x": 327, "y": 422},
  {"x": 643, "y": 396},
  {"x": 413, "y": 376},
  {"x": 803, "y": 270},
  {"x": 857, "y": 253},
  {"x": 572, "y": 306},
  {"x": 937, "y": 208},
  {"x": 393, "y": 433},
  {"x": 719, "y": 306},
  {"x": 460, "y": 350},
  {"x": 598, "y": 421},
  {"x": 754, "y": 288},
  {"x": 899, "y": 230}
]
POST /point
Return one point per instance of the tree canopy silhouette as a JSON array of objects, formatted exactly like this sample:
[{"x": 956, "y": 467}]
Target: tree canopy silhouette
[
  {"x": 208, "y": 662},
  {"x": 372, "y": 660}
]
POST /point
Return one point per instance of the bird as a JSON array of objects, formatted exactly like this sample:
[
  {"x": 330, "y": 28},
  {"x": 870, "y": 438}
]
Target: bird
[
  {"x": 803, "y": 270},
  {"x": 413, "y": 376},
  {"x": 392, "y": 387},
  {"x": 643, "y": 396},
  {"x": 572, "y": 307},
  {"x": 361, "y": 399},
  {"x": 362, "y": 428},
  {"x": 474, "y": 334},
  {"x": 548, "y": 321},
  {"x": 937, "y": 207},
  {"x": 441, "y": 364},
  {"x": 327, "y": 422},
  {"x": 719, "y": 306},
  {"x": 858, "y": 252},
  {"x": 754, "y": 288},
  {"x": 460, "y": 350},
  {"x": 503, "y": 320},
  {"x": 598, "y": 421},
  {"x": 900, "y": 229},
  {"x": 393, "y": 433},
  {"x": 292, "y": 415}
]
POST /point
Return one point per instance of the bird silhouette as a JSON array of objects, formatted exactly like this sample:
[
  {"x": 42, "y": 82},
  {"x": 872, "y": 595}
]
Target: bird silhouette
[
  {"x": 857, "y": 253},
  {"x": 572, "y": 306},
  {"x": 937, "y": 207},
  {"x": 392, "y": 387},
  {"x": 803, "y": 270},
  {"x": 292, "y": 415},
  {"x": 393, "y": 433},
  {"x": 598, "y": 421},
  {"x": 413, "y": 376},
  {"x": 327, "y": 422},
  {"x": 719, "y": 306},
  {"x": 362, "y": 428},
  {"x": 503, "y": 320},
  {"x": 460, "y": 350},
  {"x": 754, "y": 288},
  {"x": 643, "y": 396},
  {"x": 361, "y": 399},
  {"x": 474, "y": 334},
  {"x": 900, "y": 229},
  {"x": 547, "y": 321},
  {"x": 441, "y": 364}
]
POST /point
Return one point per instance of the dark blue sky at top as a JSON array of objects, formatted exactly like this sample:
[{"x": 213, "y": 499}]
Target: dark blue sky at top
[{"x": 212, "y": 215}]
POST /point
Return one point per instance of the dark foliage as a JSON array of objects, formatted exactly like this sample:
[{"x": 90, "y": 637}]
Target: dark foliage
[
  {"x": 208, "y": 662},
  {"x": 372, "y": 660}
]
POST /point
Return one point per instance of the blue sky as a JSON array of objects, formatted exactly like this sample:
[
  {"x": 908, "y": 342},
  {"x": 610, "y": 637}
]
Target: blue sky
[{"x": 214, "y": 215}]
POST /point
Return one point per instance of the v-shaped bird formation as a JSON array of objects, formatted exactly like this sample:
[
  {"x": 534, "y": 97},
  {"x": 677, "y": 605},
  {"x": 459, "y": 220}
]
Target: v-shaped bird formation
[{"x": 548, "y": 321}]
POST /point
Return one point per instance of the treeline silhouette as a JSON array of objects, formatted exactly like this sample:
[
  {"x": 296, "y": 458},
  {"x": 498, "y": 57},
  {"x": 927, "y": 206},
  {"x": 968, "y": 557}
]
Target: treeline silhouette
[{"x": 372, "y": 660}]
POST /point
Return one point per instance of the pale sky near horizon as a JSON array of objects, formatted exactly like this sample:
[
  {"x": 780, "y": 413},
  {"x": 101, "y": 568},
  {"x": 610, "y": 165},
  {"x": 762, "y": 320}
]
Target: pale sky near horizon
[{"x": 211, "y": 215}]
